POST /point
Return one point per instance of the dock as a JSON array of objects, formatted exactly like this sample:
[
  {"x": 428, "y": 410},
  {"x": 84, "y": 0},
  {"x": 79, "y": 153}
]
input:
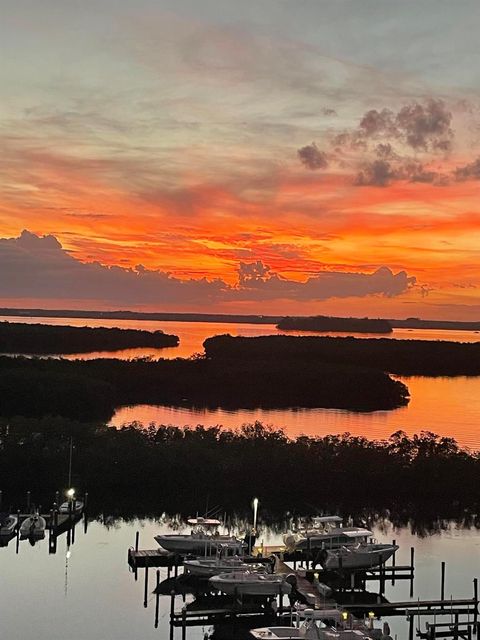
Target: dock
[{"x": 342, "y": 591}]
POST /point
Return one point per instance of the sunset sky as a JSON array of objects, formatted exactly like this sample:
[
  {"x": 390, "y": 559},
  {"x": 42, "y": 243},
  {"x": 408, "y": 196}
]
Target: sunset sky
[{"x": 276, "y": 156}]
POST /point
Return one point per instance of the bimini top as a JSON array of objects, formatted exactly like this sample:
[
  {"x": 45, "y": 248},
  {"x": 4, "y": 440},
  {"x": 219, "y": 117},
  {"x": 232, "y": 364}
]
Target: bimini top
[
  {"x": 321, "y": 519},
  {"x": 356, "y": 532},
  {"x": 206, "y": 522}
]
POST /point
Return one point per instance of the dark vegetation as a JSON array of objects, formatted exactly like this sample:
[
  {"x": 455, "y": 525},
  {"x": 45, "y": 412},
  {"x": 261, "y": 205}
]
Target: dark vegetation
[
  {"x": 411, "y": 323},
  {"x": 45, "y": 339},
  {"x": 91, "y": 389},
  {"x": 330, "y": 323},
  {"x": 165, "y": 468},
  {"x": 401, "y": 357}
]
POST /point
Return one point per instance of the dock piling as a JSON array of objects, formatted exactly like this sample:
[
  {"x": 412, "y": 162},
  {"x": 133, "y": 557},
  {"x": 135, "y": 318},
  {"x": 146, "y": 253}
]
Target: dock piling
[
  {"x": 137, "y": 538},
  {"x": 412, "y": 561},
  {"x": 157, "y": 598},
  {"x": 145, "y": 588},
  {"x": 172, "y": 612},
  {"x": 28, "y": 502},
  {"x": 442, "y": 583}
]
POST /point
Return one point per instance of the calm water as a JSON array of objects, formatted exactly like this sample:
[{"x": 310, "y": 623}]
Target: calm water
[
  {"x": 92, "y": 595},
  {"x": 447, "y": 406}
]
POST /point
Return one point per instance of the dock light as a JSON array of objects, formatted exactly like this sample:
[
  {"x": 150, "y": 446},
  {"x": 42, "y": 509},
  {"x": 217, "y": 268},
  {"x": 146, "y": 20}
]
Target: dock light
[
  {"x": 345, "y": 615},
  {"x": 255, "y": 510},
  {"x": 371, "y": 614},
  {"x": 70, "y": 493}
]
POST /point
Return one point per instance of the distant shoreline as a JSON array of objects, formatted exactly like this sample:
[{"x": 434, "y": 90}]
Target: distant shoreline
[{"x": 408, "y": 323}]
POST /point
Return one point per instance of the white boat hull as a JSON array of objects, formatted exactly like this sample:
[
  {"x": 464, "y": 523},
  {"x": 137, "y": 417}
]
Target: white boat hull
[
  {"x": 33, "y": 527},
  {"x": 254, "y": 584},
  {"x": 209, "y": 568},
  {"x": 362, "y": 558},
  {"x": 208, "y": 545},
  {"x": 8, "y": 526},
  {"x": 76, "y": 507}
]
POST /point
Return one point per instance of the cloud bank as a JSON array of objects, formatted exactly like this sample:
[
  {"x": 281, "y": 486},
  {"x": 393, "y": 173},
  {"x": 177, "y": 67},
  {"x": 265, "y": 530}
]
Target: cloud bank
[{"x": 38, "y": 268}]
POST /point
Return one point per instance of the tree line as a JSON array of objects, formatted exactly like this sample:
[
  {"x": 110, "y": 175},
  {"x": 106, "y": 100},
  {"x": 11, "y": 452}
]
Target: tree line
[
  {"x": 19, "y": 337},
  {"x": 142, "y": 471}
]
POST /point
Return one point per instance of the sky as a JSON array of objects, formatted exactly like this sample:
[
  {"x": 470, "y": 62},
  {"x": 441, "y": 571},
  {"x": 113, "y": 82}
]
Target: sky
[{"x": 276, "y": 156}]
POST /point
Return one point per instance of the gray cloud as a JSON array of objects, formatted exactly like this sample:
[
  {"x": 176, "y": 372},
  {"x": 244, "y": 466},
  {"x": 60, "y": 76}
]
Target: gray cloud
[
  {"x": 390, "y": 167},
  {"x": 312, "y": 157},
  {"x": 35, "y": 267},
  {"x": 469, "y": 171}
]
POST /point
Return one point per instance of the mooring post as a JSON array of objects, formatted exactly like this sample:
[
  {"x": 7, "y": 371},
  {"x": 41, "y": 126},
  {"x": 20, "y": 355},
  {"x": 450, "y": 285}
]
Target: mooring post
[
  {"x": 145, "y": 587},
  {"x": 442, "y": 585},
  {"x": 475, "y": 609},
  {"x": 157, "y": 598},
  {"x": 394, "y": 542},
  {"x": 172, "y": 612},
  {"x": 412, "y": 560},
  {"x": 137, "y": 537},
  {"x": 184, "y": 623}
]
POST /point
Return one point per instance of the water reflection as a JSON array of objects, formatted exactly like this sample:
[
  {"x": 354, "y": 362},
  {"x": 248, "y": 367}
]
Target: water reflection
[{"x": 102, "y": 600}]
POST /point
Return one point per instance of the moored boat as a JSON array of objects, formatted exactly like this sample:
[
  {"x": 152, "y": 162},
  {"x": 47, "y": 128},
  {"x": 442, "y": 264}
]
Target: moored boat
[
  {"x": 73, "y": 506},
  {"x": 251, "y": 583},
  {"x": 362, "y": 556},
  {"x": 208, "y": 567},
  {"x": 8, "y": 524},
  {"x": 33, "y": 527},
  {"x": 327, "y": 532},
  {"x": 203, "y": 539}
]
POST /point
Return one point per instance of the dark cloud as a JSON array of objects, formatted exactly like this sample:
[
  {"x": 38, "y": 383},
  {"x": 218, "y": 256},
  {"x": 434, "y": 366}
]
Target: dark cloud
[
  {"x": 426, "y": 126},
  {"x": 381, "y": 172},
  {"x": 421, "y": 126},
  {"x": 378, "y": 173},
  {"x": 327, "y": 284},
  {"x": 35, "y": 267},
  {"x": 469, "y": 171},
  {"x": 312, "y": 157}
]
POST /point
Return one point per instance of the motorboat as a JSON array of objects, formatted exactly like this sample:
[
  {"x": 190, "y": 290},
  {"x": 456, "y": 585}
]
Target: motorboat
[
  {"x": 71, "y": 506},
  {"x": 8, "y": 524},
  {"x": 327, "y": 532},
  {"x": 324, "y": 624},
  {"x": 361, "y": 556},
  {"x": 208, "y": 567},
  {"x": 33, "y": 527},
  {"x": 203, "y": 539},
  {"x": 251, "y": 583}
]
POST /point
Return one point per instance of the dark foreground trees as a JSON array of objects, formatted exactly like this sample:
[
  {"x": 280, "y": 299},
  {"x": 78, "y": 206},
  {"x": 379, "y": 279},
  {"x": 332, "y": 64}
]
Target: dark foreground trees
[{"x": 141, "y": 471}]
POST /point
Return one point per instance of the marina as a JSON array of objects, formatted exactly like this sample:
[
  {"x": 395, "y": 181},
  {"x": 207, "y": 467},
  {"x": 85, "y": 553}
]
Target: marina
[{"x": 341, "y": 594}]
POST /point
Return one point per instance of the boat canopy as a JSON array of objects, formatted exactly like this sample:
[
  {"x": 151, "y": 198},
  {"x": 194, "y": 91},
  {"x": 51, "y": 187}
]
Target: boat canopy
[
  {"x": 206, "y": 522},
  {"x": 326, "y": 519},
  {"x": 355, "y": 533}
]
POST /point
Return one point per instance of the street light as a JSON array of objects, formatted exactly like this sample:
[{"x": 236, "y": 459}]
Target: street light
[
  {"x": 70, "y": 493},
  {"x": 255, "y": 510}
]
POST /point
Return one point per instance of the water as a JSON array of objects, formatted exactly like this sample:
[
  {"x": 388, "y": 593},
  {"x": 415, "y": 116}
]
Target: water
[
  {"x": 92, "y": 594},
  {"x": 447, "y": 406}
]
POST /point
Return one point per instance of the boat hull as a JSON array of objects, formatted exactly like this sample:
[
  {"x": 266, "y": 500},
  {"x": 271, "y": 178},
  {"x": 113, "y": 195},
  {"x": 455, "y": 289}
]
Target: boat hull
[
  {"x": 250, "y": 584},
  {"x": 207, "y": 545},
  {"x": 206, "y": 569},
  {"x": 33, "y": 527},
  {"x": 358, "y": 559}
]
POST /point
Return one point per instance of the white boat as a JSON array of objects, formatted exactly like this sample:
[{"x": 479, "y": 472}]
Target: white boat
[
  {"x": 208, "y": 567},
  {"x": 251, "y": 583},
  {"x": 362, "y": 556},
  {"x": 200, "y": 540},
  {"x": 327, "y": 532},
  {"x": 317, "y": 626},
  {"x": 8, "y": 524},
  {"x": 33, "y": 527},
  {"x": 76, "y": 507}
]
